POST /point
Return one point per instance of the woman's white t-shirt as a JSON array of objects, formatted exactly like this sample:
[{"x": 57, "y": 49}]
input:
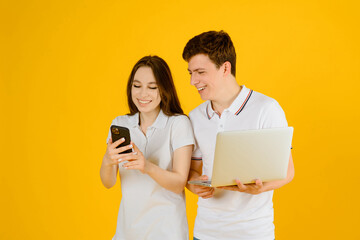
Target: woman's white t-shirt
[{"x": 147, "y": 210}]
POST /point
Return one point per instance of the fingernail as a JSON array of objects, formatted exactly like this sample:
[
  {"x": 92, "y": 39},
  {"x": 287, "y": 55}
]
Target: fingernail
[
  {"x": 122, "y": 139},
  {"x": 135, "y": 153},
  {"x": 119, "y": 160},
  {"x": 130, "y": 146}
]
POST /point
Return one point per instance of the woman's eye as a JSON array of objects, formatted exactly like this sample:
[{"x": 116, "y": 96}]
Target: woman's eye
[
  {"x": 136, "y": 86},
  {"x": 153, "y": 88},
  {"x": 201, "y": 72}
]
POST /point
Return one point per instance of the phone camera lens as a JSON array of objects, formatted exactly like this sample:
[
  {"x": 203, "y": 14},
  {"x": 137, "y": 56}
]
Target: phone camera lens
[{"x": 115, "y": 131}]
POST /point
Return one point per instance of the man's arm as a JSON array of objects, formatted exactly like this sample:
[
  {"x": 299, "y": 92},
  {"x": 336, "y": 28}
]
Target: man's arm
[
  {"x": 289, "y": 177},
  {"x": 260, "y": 187},
  {"x": 195, "y": 174}
]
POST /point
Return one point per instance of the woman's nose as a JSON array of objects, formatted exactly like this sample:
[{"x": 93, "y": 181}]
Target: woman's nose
[{"x": 143, "y": 92}]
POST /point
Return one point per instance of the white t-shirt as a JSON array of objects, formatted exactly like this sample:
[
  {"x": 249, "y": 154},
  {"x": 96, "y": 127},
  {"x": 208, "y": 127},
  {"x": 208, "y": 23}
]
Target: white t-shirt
[
  {"x": 147, "y": 210},
  {"x": 229, "y": 214}
]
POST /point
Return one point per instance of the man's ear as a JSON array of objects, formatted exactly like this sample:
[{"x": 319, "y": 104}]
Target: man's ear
[{"x": 227, "y": 68}]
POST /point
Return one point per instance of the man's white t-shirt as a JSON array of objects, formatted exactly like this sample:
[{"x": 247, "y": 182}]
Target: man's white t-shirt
[
  {"x": 231, "y": 215},
  {"x": 147, "y": 210}
]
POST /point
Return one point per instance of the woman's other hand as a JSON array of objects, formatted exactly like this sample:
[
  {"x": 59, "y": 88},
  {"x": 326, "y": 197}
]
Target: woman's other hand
[{"x": 136, "y": 160}]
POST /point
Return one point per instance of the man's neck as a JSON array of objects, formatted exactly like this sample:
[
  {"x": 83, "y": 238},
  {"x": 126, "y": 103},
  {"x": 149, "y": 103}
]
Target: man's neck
[{"x": 227, "y": 97}]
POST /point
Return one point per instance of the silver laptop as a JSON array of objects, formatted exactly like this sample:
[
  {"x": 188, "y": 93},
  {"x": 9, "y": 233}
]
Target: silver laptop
[{"x": 250, "y": 154}]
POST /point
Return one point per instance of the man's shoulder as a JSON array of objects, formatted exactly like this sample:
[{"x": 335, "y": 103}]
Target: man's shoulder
[{"x": 261, "y": 99}]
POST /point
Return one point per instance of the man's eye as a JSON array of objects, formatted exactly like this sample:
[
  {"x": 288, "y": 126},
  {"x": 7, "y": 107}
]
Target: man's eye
[{"x": 201, "y": 72}]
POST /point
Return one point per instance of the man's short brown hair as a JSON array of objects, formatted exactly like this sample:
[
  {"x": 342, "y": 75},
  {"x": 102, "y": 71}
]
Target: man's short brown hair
[{"x": 217, "y": 45}]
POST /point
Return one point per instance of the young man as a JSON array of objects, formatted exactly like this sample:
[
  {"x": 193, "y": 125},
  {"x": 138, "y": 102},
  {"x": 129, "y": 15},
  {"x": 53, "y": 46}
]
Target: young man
[{"x": 233, "y": 212}]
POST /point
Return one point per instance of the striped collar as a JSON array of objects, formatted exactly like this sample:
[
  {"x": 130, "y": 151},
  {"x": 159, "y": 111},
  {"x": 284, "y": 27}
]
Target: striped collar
[
  {"x": 236, "y": 107},
  {"x": 160, "y": 121}
]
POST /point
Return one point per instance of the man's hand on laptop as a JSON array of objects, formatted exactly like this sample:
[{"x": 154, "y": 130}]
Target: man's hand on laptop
[
  {"x": 252, "y": 188},
  {"x": 202, "y": 191}
]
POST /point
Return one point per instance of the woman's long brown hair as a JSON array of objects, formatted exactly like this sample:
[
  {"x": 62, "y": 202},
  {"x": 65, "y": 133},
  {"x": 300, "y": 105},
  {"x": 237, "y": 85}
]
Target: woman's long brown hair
[{"x": 169, "y": 104}]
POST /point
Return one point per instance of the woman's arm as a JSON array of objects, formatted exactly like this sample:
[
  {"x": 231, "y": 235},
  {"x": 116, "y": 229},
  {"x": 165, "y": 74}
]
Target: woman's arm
[
  {"x": 109, "y": 166},
  {"x": 174, "y": 180}
]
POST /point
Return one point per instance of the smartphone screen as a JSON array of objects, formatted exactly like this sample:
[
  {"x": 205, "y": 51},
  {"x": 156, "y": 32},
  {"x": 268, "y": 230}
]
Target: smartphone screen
[{"x": 118, "y": 132}]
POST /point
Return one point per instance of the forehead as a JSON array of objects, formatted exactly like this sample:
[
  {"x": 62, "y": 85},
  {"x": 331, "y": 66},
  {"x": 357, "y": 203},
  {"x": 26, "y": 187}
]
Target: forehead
[
  {"x": 144, "y": 75},
  {"x": 200, "y": 61}
]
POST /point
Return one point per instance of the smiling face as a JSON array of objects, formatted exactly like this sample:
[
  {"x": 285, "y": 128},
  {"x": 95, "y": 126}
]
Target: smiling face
[
  {"x": 144, "y": 91},
  {"x": 206, "y": 77}
]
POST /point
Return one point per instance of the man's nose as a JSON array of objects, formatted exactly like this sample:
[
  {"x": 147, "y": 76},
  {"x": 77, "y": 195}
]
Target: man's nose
[{"x": 193, "y": 79}]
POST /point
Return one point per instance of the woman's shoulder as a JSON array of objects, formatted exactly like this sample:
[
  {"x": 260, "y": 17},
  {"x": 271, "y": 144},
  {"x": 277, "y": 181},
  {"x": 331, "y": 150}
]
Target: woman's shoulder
[
  {"x": 124, "y": 120},
  {"x": 179, "y": 119}
]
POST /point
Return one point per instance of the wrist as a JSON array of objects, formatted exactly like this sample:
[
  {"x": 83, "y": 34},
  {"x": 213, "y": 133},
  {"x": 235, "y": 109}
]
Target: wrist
[
  {"x": 148, "y": 167},
  {"x": 266, "y": 187},
  {"x": 106, "y": 162},
  {"x": 194, "y": 176}
]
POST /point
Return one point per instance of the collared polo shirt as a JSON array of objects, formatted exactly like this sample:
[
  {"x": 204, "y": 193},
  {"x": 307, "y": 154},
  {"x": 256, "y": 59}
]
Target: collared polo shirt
[
  {"x": 229, "y": 214},
  {"x": 147, "y": 210}
]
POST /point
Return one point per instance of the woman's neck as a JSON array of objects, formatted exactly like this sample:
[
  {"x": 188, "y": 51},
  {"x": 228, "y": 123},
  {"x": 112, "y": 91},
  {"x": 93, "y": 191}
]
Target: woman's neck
[{"x": 146, "y": 119}]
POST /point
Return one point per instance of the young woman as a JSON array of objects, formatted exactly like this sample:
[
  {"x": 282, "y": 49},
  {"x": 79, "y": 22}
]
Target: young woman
[{"x": 154, "y": 175}]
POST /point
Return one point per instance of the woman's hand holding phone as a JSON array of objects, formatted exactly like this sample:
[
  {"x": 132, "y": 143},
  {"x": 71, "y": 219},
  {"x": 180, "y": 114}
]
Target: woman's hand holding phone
[
  {"x": 113, "y": 154},
  {"x": 120, "y": 151}
]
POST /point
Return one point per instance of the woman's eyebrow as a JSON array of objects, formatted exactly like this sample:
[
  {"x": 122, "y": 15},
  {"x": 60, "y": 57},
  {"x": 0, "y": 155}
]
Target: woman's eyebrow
[{"x": 137, "y": 81}]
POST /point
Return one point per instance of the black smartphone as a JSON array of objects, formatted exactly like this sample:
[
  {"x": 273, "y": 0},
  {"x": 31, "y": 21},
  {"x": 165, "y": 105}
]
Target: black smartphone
[{"x": 118, "y": 132}]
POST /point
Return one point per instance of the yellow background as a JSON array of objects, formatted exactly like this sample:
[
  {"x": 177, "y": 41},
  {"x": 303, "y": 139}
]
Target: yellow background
[{"x": 63, "y": 69}]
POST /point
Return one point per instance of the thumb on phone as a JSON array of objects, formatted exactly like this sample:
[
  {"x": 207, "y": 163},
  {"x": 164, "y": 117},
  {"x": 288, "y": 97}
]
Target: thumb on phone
[{"x": 203, "y": 177}]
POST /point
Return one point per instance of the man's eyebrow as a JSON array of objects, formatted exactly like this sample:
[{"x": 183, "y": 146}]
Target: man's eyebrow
[{"x": 196, "y": 70}]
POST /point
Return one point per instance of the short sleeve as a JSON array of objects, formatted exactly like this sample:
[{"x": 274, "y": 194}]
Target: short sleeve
[
  {"x": 181, "y": 133},
  {"x": 109, "y": 134},
  {"x": 197, "y": 156},
  {"x": 273, "y": 116}
]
